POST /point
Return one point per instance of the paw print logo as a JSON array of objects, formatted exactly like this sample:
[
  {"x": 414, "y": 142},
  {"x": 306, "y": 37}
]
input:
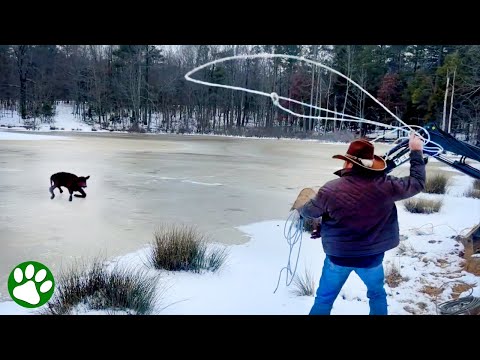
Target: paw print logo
[{"x": 31, "y": 284}]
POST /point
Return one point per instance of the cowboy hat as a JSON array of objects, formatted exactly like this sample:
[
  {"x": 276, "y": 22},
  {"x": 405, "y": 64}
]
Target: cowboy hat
[{"x": 360, "y": 152}]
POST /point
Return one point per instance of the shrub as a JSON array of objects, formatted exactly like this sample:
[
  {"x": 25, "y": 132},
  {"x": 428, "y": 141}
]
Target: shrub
[
  {"x": 94, "y": 287},
  {"x": 423, "y": 206},
  {"x": 436, "y": 184},
  {"x": 183, "y": 248}
]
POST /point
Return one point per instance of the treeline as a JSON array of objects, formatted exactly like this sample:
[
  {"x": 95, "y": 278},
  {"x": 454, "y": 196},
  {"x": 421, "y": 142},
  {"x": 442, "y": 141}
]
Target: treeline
[{"x": 142, "y": 87}]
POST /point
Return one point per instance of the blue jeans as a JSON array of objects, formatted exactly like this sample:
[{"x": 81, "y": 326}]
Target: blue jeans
[{"x": 333, "y": 278}]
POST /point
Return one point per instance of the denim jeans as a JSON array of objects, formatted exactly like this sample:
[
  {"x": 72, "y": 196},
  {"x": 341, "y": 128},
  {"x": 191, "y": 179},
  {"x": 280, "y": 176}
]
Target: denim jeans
[{"x": 334, "y": 276}]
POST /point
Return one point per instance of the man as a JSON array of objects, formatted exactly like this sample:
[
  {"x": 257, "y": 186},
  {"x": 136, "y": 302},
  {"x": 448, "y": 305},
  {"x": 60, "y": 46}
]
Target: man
[{"x": 359, "y": 221}]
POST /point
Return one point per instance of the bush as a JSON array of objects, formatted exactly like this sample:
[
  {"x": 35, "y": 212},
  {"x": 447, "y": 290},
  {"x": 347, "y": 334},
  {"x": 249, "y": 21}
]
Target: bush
[
  {"x": 304, "y": 285},
  {"x": 94, "y": 287},
  {"x": 423, "y": 206},
  {"x": 393, "y": 278},
  {"x": 436, "y": 184},
  {"x": 183, "y": 248},
  {"x": 473, "y": 193},
  {"x": 476, "y": 185},
  {"x": 136, "y": 128}
]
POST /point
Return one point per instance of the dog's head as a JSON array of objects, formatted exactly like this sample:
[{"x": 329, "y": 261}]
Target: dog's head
[{"x": 82, "y": 181}]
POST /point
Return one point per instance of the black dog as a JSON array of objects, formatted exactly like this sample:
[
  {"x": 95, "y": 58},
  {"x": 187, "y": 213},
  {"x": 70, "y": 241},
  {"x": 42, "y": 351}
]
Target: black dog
[{"x": 70, "y": 181}]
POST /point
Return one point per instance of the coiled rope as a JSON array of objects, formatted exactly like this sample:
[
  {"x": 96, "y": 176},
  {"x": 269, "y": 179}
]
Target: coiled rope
[{"x": 467, "y": 305}]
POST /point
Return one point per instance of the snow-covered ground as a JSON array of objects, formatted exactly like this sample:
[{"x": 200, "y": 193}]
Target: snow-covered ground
[{"x": 64, "y": 120}]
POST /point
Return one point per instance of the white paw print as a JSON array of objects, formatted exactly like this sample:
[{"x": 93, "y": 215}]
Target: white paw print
[{"x": 28, "y": 292}]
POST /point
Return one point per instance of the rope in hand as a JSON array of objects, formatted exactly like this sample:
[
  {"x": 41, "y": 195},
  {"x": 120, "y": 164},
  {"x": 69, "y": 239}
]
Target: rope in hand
[{"x": 293, "y": 231}]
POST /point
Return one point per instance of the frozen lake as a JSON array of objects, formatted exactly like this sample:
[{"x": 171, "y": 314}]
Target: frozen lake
[{"x": 139, "y": 182}]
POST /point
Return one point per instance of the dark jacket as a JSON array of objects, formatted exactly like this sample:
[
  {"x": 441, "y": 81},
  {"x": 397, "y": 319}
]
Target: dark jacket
[{"x": 358, "y": 212}]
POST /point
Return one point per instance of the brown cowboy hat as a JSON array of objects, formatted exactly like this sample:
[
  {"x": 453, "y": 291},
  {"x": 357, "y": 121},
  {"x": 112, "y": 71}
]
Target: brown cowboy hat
[{"x": 360, "y": 152}]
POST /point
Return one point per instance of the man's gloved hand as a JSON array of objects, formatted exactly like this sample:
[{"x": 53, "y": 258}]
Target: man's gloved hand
[{"x": 316, "y": 232}]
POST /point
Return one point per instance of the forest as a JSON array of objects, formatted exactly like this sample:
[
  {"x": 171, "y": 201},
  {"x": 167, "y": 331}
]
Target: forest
[{"x": 142, "y": 88}]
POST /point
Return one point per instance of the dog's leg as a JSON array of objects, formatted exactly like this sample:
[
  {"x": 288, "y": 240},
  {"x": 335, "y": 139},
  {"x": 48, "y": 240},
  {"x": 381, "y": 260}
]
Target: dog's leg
[
  {"x": 71, "y": 193},
  {"x": 84, "y": 195},
  {"x": 51, "y": 191}
]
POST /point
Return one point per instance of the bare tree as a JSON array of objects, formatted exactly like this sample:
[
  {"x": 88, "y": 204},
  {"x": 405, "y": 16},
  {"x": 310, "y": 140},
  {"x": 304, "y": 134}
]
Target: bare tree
[{"x": 24, "y": 62}]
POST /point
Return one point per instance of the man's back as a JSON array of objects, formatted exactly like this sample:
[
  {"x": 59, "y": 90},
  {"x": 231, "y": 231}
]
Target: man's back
[{"x": 358, "y": 211}]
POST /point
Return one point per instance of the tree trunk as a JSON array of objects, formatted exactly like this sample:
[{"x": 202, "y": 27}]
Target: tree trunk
[
  {"x": 23, "y": 96},
  {"x": 310, "y": 120},
  {"x": 146, "y": 119},
  {"x": 21, "y": 53},
  {"x": 451, "y": 102},
  {"x": 445, "y": 103}
]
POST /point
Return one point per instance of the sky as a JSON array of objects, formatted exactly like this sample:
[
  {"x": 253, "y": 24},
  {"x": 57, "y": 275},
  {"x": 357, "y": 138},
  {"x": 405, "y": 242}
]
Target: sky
[{"x": 428, "y": 257}]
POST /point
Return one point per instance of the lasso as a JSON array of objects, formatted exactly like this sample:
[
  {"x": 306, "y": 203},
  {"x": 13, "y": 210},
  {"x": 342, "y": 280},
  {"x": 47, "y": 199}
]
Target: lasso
[
  {"x": 296, "y": 228},
  {"x": 346, "y": 117}
]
